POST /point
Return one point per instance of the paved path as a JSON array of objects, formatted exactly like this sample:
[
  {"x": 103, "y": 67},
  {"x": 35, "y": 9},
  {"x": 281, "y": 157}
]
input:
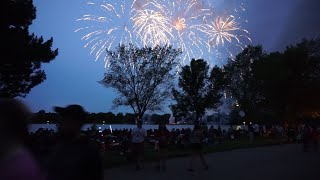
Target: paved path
[{"x": 285, "y": 162}]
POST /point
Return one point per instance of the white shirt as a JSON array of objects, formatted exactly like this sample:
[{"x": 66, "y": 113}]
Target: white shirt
[{"x": 138, "y": 135}]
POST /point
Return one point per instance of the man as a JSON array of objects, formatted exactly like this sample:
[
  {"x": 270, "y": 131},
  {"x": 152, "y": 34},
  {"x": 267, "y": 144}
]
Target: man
[
  {"x": 138, "y": 135},
  {"x": 75, "y": 157}
]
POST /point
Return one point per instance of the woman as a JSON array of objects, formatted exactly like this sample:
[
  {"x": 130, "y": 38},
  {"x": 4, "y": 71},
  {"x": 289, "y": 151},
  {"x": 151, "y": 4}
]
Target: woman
[
  {"x": 196, "y": 146},
  {"x": 163, "y": 138}
]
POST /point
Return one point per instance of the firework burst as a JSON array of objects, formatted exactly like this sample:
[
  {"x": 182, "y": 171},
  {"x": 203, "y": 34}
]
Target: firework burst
[
  {"x": 224, "y": 30},
  {"x": 197, "y": 27},
  {"x": 183, "y": 16},
  {"x": 221, "y": 30},
  {"x": 108, "y": 29},
  {"x": 152, "y": 27}
]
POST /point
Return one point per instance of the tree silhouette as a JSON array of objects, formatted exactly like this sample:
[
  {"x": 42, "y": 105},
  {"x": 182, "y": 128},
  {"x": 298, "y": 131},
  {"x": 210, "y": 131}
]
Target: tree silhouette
[
  {"x": 199, "y": 89},
  {"x": 242, "y": 84},
  {"x": 21, "y": 53},
  {"x": 276, "y": 86},
  {"x": 291, "y": 79},
  {"x": 142, "y": 76}
]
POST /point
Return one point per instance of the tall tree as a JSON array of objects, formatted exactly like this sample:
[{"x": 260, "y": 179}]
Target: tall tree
[
  {"x": 272, "y": 72},
  {"x": 216, "y": 86},
  {"x": 199, "y": 89},
  {"x": 21, "y": 53},
  {"x": 242, "y": 84},
  {"x": 143, "y": 77}
]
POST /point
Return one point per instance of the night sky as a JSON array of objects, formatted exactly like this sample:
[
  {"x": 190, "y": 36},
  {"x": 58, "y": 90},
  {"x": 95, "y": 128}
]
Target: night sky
[{"x": 72, "y": 77}]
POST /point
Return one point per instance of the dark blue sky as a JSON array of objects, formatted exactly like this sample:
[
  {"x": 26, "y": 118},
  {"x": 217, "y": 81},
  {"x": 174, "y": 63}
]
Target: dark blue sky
[{"x": 72, "y": 77}]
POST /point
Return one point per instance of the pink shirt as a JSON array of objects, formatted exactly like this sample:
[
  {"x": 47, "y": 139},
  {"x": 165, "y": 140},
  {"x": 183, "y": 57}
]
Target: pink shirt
[{"x": 20, "y": 166}]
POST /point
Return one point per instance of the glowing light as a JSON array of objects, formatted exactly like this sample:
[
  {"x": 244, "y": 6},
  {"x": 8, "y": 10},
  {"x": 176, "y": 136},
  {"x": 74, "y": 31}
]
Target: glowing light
[
  {"x": 180, "y": 24},
  {"x": 110, "y": 128}
]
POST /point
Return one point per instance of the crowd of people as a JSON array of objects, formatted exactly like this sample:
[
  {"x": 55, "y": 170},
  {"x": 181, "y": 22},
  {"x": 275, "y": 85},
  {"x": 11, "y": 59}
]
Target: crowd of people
[
  {"x": 131, "y": 142},
  {"x": 72, "y": 153},
  {"x": 42, "y": 140}
]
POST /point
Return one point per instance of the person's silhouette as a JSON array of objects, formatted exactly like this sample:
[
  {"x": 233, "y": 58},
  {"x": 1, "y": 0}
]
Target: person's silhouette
[
  {"x": 16, "y": 161},
  {"x": 75, "y": 157}
]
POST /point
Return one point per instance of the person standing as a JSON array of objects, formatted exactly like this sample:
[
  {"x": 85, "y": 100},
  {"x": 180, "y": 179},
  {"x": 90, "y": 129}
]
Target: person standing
[
  {"x": 196, "y": 138},
  {"x": 251, "y": 133},
  {"x": 163, "y": 138},
  {"x": 75, "y": 157},
  {"x": 138, "y": 136}
]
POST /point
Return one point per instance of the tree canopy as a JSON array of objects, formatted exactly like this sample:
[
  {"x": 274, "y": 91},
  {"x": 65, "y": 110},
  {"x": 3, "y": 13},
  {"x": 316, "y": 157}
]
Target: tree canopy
[
  {"x": 240, "y": 81},
  {"x": 22, "y": 53},
  {"x": 198, "y": 91},
  {"x": 278, "y": 85},
  {"x": 291, "y": 79},
  {"x": 143, "y": 77}
]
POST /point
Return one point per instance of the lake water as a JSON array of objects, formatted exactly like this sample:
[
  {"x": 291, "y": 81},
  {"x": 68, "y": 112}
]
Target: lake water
[{"x": 35, "y": 127}]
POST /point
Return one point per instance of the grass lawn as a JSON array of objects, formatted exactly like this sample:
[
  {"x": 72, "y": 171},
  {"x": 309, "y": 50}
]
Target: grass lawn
[{"x": 114, "y": 159}]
